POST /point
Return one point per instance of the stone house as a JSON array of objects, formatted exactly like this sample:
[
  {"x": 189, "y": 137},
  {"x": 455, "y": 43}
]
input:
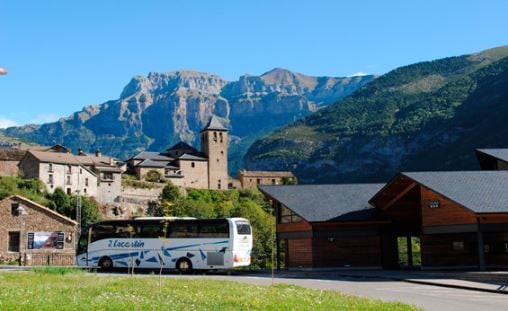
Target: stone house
[
  {"x": 185, "y": 166},
  {"x": 34, "y": 234},
  {"x": 251, "y": 179},
  {"x": 9, "y": 159},
  {"x": 94, "y": 176}
]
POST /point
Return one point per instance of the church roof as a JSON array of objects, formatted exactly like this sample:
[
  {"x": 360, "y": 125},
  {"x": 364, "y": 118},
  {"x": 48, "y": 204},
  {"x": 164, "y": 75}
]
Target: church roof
[
  {"x": 183, "y": 145},
  {"x": 155, "y": 156},
  {"x": 191, "y": 157},
  {"x": 214, "y": 124}
]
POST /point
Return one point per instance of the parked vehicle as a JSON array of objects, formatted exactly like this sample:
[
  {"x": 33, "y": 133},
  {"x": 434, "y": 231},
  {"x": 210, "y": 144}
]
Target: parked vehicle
[{"x": 185, "y": 244}]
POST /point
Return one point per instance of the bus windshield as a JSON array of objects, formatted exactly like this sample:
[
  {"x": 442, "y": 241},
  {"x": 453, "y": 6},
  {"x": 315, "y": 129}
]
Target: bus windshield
[{"x": 243, "y": 227}]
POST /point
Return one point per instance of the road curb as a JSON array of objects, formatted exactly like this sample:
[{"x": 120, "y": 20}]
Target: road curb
[{"x": 503, "y": 292}]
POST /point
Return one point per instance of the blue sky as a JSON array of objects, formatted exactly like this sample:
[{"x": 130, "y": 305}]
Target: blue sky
[{"x": 63, "y": 55}]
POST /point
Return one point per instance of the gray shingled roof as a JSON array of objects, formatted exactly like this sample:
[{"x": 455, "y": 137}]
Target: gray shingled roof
[
  {"x": 341, "y": 202},
  {"x": 214, "y": 124},
  {"x": 183, "y": 145},
  {"x": 191, "y": 157},
  {"x": 157, "y": 164},
  {"x": 479, "y": 191},
  {"x": 501, "y": 154},
  {"x": 156, "y": 156}
]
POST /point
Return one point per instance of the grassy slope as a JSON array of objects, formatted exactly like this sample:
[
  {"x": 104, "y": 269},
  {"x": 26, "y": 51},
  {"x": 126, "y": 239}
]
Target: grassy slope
[{"x": 42, "y": 291}]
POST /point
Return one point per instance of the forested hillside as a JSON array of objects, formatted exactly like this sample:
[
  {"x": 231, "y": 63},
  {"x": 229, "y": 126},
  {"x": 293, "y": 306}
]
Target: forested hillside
[{"x": 426, "y": 116}]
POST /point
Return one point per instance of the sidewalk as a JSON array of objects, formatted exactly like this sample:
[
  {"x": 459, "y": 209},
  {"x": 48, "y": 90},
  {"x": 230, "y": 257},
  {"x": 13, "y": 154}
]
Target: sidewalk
[{"x": 494, "y": 282}]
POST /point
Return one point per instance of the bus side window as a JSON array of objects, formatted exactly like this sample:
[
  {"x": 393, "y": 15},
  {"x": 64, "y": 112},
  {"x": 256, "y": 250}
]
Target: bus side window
[
  {"x": 183, "y": 231},
  {"x": 152, "y": 231},
  {"x": 214, "y": 230},
  {"x": 124, "y": 231},
  {"x": 100, "y": 232}
]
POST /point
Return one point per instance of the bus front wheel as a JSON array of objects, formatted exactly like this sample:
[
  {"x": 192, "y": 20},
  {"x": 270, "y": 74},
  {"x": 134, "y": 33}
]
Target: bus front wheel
[
  {"x": 106, "y": 264},
  {"x": 184, "y": 265}
]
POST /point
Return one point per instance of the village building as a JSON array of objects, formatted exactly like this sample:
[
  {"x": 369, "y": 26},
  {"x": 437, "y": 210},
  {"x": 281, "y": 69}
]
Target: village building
[
  {"x": 32, "y": 234},
  {"x": 492, "y": 159},
  {"x": 326, "y": 225},
  {"x": 252, "y": 179},
  {"x": 427, "y": 220},
  {"x": 185, "y": 166},
  {"x": 9, "y": 159},
  {"x": 94, "y": 176}
]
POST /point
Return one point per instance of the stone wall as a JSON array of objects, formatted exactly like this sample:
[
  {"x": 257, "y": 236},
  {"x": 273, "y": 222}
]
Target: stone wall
[
  {"x": 37, "y": 219},
  {"x": 8, "y": 168},
  {"x": 132, "y": 202},
  {"x": 195, "y": 174},
  {"x": 109, "y": 190}
]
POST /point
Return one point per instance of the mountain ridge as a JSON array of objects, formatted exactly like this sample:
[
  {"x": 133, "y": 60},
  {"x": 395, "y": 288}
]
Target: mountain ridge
[{"x": 160, "y": 109}]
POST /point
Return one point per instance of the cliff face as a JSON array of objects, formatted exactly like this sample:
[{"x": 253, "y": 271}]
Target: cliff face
[{"x": 159, "y": 109}]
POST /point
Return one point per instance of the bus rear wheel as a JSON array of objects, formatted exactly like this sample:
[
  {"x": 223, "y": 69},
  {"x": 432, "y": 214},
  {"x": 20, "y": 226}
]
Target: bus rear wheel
[
  {"x": 106, "y": 264},
  {"x": 184, "y": 265}
]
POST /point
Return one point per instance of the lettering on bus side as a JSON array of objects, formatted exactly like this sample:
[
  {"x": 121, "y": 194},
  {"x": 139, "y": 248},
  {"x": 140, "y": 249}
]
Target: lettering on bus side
[{"x": 125, "y": 244}]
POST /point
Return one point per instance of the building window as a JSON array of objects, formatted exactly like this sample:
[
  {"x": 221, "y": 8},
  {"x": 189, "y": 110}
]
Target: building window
[
  {"x": 69, "y": 169},
  {"x": 81, "y": 171},
  {"x": 84, "y": 190},
  {"x": 215, "y": 136},
  {"x": 221, "y": 139},
  {"x": 50, "y": 167},
  {"x": 50, "y": 179},
  {"x": 193, "y": 164},
  {"x": 273, "y": 181},
  {"x": 86, "y": 182},
  {"x": 107, "y": 176},
  {"x": 258, "y": 181},
  {"x": 434, "y": 204},
  {"x": 222, "y": 152},
  {"x": 458, "y": 245},
  {"x": 14, "y": 238},
  {"x": 287, "y": 216},
  {"x": 68, "y": 191},
  {"x": 14, "y": 209},
  {"x": 69, "y": 181}
]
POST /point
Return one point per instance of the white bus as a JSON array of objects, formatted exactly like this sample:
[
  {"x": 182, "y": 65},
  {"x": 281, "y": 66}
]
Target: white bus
[{"x": 173, "y": 243}]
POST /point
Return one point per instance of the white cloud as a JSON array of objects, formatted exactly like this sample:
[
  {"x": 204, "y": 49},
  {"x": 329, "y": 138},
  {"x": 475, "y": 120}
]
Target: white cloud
[
  {"x": 5, "y": 123},
  {"x": 45, "y": 118},
  {"x": 359, "y": 74}
]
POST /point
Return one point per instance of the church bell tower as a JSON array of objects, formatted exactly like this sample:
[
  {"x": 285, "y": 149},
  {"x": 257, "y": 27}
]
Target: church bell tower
[{"x": 214, "y": 144}]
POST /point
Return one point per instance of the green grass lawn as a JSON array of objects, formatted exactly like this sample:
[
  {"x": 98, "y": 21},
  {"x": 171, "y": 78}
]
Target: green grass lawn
[{"x": 82, "y": 291}]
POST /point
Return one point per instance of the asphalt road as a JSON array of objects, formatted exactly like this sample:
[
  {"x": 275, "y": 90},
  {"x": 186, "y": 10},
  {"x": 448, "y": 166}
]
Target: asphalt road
[{"x": 427, "y": 297}]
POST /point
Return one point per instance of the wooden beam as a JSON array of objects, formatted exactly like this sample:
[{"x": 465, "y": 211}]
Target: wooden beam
[{"x": 400, "y": 195}]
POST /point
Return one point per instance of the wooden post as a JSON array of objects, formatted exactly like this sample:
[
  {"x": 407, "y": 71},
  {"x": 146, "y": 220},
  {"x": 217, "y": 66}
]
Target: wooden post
[{"x": 481, "y": 254}]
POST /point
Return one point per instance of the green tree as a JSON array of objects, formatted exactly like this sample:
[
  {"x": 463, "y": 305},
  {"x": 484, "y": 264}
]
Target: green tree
[
  {"x": 60, "y": 202},
  {"x": 287, "y": 181},
  {"x": 153, "y": 176},
  {"x": 89, "y": 210}
]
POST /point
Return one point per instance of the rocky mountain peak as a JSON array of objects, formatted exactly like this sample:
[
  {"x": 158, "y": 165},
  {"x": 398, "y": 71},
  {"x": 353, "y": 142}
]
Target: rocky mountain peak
[
  {"x": 284, "y": 77},
  {"x": 168, "y": 82}
]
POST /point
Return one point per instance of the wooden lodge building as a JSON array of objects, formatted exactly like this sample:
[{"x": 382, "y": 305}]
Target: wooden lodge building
[{"x": 429, "y": 220}]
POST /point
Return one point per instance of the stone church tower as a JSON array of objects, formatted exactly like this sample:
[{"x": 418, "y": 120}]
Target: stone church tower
[{"x": 214, "y": 144}]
